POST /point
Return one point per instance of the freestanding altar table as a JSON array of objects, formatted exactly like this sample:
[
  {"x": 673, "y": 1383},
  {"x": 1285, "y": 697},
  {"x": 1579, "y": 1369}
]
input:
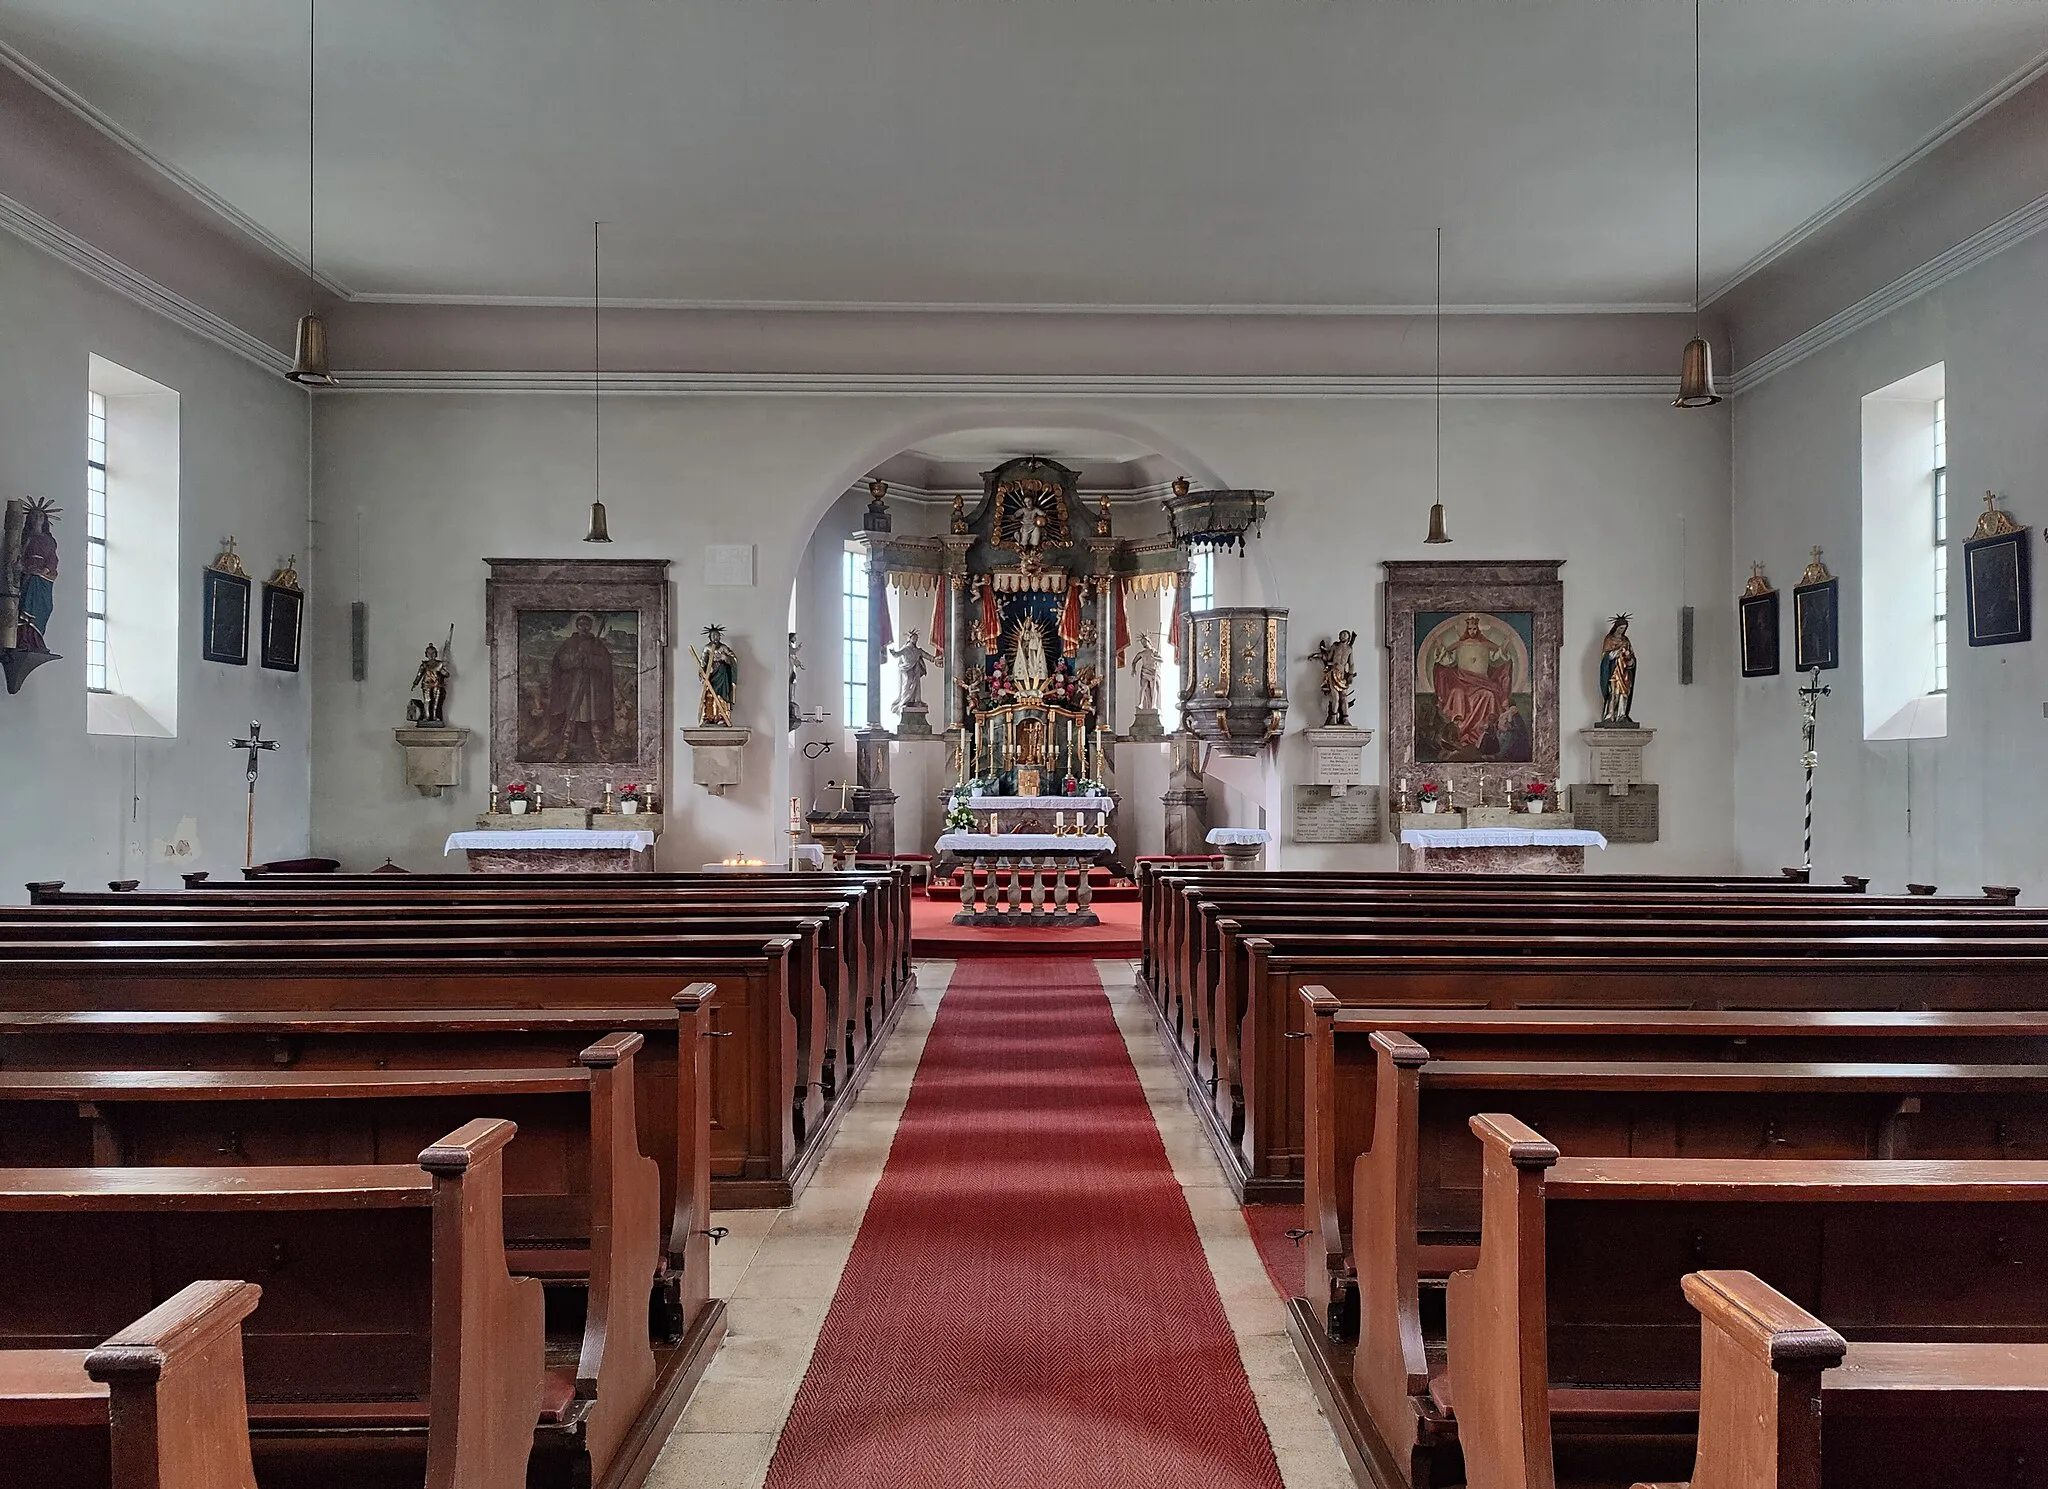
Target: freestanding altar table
[
  {"x": 552, "y": 850},
  {"x": 1497, "y": 850},
  {"x": 993, "y": 889}
]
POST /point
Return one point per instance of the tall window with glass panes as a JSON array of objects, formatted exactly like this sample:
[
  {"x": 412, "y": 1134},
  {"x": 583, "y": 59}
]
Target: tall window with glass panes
[
  {"x": 853, "y": 632},
  {"x": 96, "y": 543},
  {"x": 1941, "y": 545}
]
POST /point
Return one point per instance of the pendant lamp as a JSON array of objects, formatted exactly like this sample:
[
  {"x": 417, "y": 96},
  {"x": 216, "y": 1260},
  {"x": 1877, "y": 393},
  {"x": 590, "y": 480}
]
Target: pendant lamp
[
  {"x": 1696, "y": 372},
  {"x": 1437, "y": 534},
  {"x": 598, "y": 533},
  {"x": 309, "y": 347}
]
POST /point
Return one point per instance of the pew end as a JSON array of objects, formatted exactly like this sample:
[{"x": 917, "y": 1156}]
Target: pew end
[{"x": 177, "y": 1408}]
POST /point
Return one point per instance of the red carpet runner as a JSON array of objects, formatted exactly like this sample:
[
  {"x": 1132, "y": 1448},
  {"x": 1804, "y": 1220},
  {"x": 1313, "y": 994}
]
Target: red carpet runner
[{"x": 1027, "y": 1302}]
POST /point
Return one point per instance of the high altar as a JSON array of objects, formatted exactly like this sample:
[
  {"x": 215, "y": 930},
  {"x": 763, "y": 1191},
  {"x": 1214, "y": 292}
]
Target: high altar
[{"x": 1026, "y": 628}]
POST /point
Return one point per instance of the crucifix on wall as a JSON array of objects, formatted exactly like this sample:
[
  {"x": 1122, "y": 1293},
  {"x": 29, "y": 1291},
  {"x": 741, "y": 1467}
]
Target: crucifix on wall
[{"x": 253, "y": 746}]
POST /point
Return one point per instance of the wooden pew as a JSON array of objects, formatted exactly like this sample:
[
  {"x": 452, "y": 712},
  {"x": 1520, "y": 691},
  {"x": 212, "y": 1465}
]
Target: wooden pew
[
  {"x": 756, "y": 1154},
  {"x": 1787, "y": 1403},
  {"x": 159, "y": 1405},
  {"x": 1570, "y": 1351},
  {"x": 1416, "y": 1188},
  {"x": 391, "y": 1338},
  {"x": 1255, "y": 1121},
  {"x": 582, "y": 1205}
]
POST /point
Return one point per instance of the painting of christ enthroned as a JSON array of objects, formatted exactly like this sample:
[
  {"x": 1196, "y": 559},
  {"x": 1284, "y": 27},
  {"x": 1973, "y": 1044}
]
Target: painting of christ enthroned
[
  {"x": 1474, "y": 688},
  {"x": 1472, "y": 674}
]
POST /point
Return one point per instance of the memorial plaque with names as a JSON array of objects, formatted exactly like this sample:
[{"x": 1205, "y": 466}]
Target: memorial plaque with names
[
  {"x": 1340, "y": 765},
  {"x": 1320, "y": 817},
  {"x": 1631, "y": 818}
]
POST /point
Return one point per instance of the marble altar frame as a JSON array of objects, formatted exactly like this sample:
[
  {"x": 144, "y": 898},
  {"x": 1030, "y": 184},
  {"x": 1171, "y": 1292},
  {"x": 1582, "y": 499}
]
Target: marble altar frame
[
  {"x": 576, "y": 584},
  {"x": 1484, "y": 585}
]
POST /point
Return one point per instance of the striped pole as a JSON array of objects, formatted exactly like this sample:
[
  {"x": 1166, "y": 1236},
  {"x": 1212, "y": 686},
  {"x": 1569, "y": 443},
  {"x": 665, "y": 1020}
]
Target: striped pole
[{"x": 1809, "y": 698}]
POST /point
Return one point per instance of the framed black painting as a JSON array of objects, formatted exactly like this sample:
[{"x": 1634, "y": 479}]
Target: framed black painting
[
  {"x": 284, "y": 613},
  {"x": 1817, "y": 625},
  {"x": 1999, "y": 589},
  {"x": 224, "y": 618},
  {"x": 1759, "y": 617}
]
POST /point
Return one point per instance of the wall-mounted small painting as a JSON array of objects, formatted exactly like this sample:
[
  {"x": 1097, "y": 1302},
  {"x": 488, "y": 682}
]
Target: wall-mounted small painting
[
  {"x": 1997, "y": 581},
  {"x": 1758, "y": 609},
  {"x": 224, "y": 609},
  {"x": 1817, "y": 618},
  {"x": 579, "y": 686},
  {"x": 284, "y": 609},
  {"x": 1474, "y": 686}
]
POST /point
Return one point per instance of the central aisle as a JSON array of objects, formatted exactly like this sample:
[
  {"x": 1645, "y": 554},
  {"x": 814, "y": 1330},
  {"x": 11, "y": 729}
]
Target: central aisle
[{"x": 1027, "y": 1301}]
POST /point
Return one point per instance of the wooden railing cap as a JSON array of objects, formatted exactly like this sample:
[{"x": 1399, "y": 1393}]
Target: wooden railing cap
[
  {"x": 1763, "y": 1320},
  {"x": 468, "y": 1144},
  {"x": 1399, "y": 1048},
  {"x": 613, "y": 1049},
  {"x": 1320, "y": 1000},
  {"x": 695, "y": 996},
  {"x": 1524, "y": 1145},
  {"x": 185, "y": 1321}
]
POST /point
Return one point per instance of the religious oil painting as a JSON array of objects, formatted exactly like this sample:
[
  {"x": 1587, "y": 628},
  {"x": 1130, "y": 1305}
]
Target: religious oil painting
[
  {"x": 1474, "y": 687},
  {"x": 1997, "y": 584},
  {"x": 1817, "y": 625},
  {"x": 1759, "y": 614},
  {"x": 579, "y": 686}
]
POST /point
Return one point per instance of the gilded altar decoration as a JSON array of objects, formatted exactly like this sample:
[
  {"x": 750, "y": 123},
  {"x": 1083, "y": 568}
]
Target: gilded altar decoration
[
  {"x": 1758, "y": 584},
  {"x": 1992, "y": 523},
  {"x": 1031, "y": 507},
  {"x": 1815, "y": 571}
]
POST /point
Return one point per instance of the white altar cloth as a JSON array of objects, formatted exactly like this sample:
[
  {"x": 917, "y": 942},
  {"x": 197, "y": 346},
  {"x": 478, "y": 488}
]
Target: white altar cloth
[
  {"x": 1238, "y": 837},
  {"x": 501, "y": 840},
  {"x": 1024, "y": 842},
  {"x": 1502, "y": 837},
  {"x": 1042, "y": 803}
]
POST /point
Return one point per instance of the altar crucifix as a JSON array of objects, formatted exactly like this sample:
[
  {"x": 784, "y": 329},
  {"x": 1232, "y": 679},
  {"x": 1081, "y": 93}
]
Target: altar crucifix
[
  {"x": 254, "y": 746},
  {"x": 1809, "y": 697}
]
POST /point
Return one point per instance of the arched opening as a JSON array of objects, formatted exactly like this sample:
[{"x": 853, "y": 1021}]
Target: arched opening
[{"x": 890, "y": 624}]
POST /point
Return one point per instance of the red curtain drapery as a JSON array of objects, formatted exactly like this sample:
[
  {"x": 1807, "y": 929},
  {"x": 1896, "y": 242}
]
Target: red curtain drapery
[
  {"x": 991, "y": 628},
  {"x": 1174, "y": 619},
  {"x": 939, "y": 622},
  {"x": 1123, "y": 623},
  {"x": 1070, "y": 617}
]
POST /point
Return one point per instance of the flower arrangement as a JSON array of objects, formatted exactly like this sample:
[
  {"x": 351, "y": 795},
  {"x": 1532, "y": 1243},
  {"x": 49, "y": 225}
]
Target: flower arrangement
[
  {"x": 520, "y": 797},
  {"x": 959, "y": 816},
  {"x": 1430, "y": 791},
  {"x": 1535, "y": 796},
  {"x": 632, "y": 797}
]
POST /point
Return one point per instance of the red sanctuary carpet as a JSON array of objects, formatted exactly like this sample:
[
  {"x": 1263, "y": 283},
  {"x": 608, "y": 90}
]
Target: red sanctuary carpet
[
  {"x": 932, "y": 933},
  {"x": 1027, "y": 1302}
]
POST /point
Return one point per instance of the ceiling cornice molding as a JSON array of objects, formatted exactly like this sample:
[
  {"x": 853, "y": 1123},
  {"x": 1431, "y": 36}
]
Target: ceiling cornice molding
[
  {"x": 1957, "y": 124},
  {"x": 997, "y": 385},
  {"x": 1976, "y": 249},
  {"x": 1002, "y": 307},
  {"x": 35, "y": 229},
  {"x": 61, "y": 93}
]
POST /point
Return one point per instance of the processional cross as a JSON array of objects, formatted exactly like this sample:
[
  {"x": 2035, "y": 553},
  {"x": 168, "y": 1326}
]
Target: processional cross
[
  {"x": 254, "y": 745},
  {"x": 1809, "y": 698}
]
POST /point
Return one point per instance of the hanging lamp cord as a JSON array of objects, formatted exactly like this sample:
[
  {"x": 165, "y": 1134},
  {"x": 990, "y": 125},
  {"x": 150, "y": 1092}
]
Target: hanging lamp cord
[
  {"x": 1437, "y": 400},
  {"x": 1696, "y": 157},
  {"x": 312, "y": 195},
  {"x": 596, "y": 372}
]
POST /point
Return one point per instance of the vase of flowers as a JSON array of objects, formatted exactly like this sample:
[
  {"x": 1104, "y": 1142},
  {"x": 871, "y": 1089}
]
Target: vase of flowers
[
  {"x": 1431, "y": 796},
  {"x": 1535, "y": 796},
  {"x": 959, "y": 816},
  {"x": 630, "y": 797},
  {"x": 519, "y": 798}
]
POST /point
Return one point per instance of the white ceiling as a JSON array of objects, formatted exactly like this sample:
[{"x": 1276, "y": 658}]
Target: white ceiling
[{"x": 1121, "y": 152}]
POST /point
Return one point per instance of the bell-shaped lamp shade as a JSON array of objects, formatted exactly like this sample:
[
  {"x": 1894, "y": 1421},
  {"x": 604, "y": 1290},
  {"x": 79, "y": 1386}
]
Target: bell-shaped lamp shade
[
  {"x": 309, "y": 356},
  {"x": 598, "y": 532},
  {"x": 1696, "y": 377},
  {"x": 1436, "y": 524}
]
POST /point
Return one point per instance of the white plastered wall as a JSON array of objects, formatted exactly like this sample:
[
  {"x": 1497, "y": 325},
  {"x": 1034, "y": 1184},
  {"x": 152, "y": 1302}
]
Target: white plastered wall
[
  {"x": 1959, "y": 811},
  {"x": 1631, "y": 493},
  {"x": 88, "y": 808}
]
